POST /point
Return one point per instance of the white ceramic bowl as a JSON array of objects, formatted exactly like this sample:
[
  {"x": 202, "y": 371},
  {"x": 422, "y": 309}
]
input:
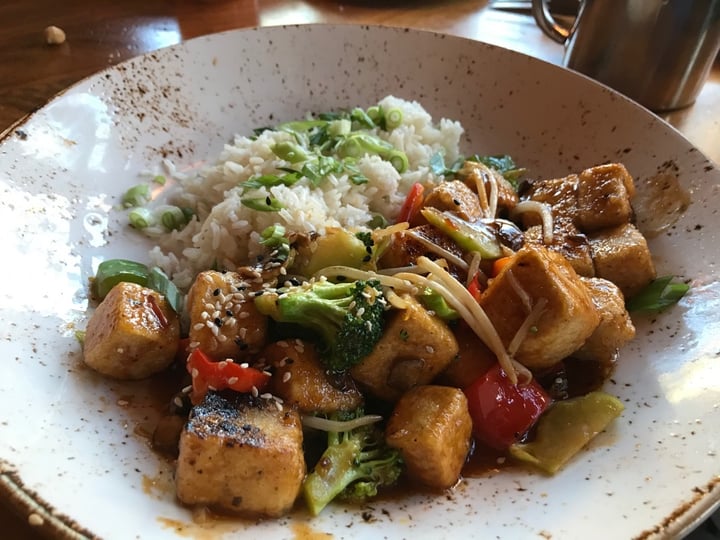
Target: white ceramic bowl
[{"x": 72, "y": 448}]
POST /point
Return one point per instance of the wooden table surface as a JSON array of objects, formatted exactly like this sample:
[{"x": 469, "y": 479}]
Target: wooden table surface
[{"x": 100, "y": 33}]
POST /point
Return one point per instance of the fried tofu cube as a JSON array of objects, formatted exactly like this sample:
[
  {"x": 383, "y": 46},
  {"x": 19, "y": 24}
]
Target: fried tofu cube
[
  {"x": 621, "y": 255},
  {"x": 473, "y": 359},
  {"x": 568, "y": 318},
  {"x": 301, "y": 380},
  {"x": 133, "y": 333},
  {"x": 241, "y": 455},
  {"x": 569, "y": 242},
  {"x": 431, "y": 427},
  {"x": 604, "y": 193},
  {"x": 414, "y": 348},
  {"x": 615, "y": 328},
  {"x": 561, "y": 194},
  {"x": 454, "y": 196},
  {"x": 223, "y": 319}
]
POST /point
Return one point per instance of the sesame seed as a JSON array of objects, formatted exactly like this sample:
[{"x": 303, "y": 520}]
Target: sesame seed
[
  {"x": 187, "y": 389},
  {"x": 360, "y": 312},
  {"x": 218, "y": 322},
  {"x": 243, "y": 315},
  {"x": 216, "y": 292},
  {"x": 254, "y": 391},
  {"x": 286, "y": 376},
  {"x": 194, "y": 373},
  {"x": 283, "y": 271},
  {"x": 266, "y": 395},
  {"x": 198, "y": 326},
  {"x": 35, "y": 520},
  {"x": 368, "y": 325},
  {"x": 429, "y": 349},
  {"x": 283, "y": 344},
  {"x": 215, "y": 330},
  {"x": 232, "y": 380},
  {"x": 210, "y": 307},
  {"x": 278, "y": 406},
  {"x": 242, "y": 332},
  {"x": 211, "y": 387},
  {"x": 222, "y": 364},
  {"x": 177, "y": 402}
]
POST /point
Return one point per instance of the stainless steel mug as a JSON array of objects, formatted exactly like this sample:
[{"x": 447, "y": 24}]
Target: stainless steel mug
[{"x": 657, "y": 52}]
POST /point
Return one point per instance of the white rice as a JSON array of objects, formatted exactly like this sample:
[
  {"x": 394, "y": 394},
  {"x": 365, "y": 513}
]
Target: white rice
[{"x": 225, "y": 233}]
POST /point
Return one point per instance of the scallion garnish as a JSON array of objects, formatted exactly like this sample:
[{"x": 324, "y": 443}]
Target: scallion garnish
[
  {"x": 159, "y": 179},
  {"x": 262, "y": 204},
  {"x": 172, "y": 217},
  {"x": 273, "y": 237},
  {"x": 393, "y": 119},
  {"x": 658, "y": 295},
  {"x": 136, "y": 196},
  {"x": 290, "y": 151},
  {"x": 141, "y": 218}
]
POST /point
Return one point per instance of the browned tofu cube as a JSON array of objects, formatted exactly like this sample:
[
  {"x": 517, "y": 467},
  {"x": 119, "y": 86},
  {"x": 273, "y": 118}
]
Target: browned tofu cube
[
  {"x": 472, "y": 360},
  {"x": 132, "y": 334},
  {"x": 615, "y": 328},
  {"x": 456, "y": 197},
  {"x": 414, "y": 348},
  {"x": 224, "y": 322},
  {"x": 569, "y": 317},
  {"x": 559, "y": 193},
  {"x": 621, "y": 255},
  {"x": 431, "y": 427},
  {"x": 604, "y": 194},
  {"x": 241, "y": 455},
  {"x": 300, "y": 379},
  {"x": 569, "y": 242}
]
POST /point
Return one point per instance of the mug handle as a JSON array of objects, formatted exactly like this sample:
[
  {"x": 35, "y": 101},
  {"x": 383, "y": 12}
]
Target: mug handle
[{"x": 547, "y": 23}]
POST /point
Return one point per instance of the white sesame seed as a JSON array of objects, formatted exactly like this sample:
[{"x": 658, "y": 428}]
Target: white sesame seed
[
  {"x": 266, "y": 395},
  {"x": 222, "y": 364},
  {"x": 244, "y": 365},
  {"x": 178, "y": 402},
  {"x": 215, "y": 330},
  {"x": 35, "y": 520},
  {"x": 283, "y": 344},
  {"x": 232, "y": 380},
  {"x": 205, "y": 315},
  {"x": 209, "y": 307},
  {"x": 360, "y": 312},
  {"x": 210, "y": 387},
  {"x": 243, "y": 315},
  {"x": 286, "y": 376},
  {"x": 187, "y": 389},
  {"x": 194, "y": 373},
  {"x": 242, "y": 332},
  {"x": 278, "y": 406},
  {"x": 283, "y": 271},
  {"x": 429, "y": 349},
  {"x": 198, "y": 326},
  {"x": 254, "y": 391}
]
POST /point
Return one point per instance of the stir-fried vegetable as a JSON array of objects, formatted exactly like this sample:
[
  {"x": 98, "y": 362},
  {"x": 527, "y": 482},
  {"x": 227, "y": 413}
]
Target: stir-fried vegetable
[
  {"x": 658, "y": 295},
  {"x": 566, "y": 428},
  {"x": 208, "y": 374},
  {"x": 355, "y": 464},
  {"x": 476, "y": 237}
]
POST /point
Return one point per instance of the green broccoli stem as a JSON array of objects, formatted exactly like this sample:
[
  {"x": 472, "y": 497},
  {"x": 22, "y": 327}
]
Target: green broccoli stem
[{"x": 332, "y": 474}]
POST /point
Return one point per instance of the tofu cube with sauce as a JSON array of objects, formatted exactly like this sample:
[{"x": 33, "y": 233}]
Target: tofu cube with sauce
[
  {"x": 415, "y": 347},
  {"x": 621, "y": 255},
  {"x": 567, "y": 319},
  {"x": 241, "y": 455},
  {"x": 224, "y": 322},
  {"x": 133, "y": 333},
  {"x": 301, "y": 380},
  {"x": 604, "y": 194},
  {"x": 432, "y": 428}
]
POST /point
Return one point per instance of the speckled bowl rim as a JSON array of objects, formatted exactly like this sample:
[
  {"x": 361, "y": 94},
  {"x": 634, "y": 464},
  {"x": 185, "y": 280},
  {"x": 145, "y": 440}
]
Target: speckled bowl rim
[{"x": 48, "y": 522}]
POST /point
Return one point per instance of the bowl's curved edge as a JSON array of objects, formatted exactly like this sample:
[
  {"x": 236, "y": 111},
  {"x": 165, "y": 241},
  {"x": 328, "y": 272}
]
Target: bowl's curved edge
[{"x": 38, "y": 513}]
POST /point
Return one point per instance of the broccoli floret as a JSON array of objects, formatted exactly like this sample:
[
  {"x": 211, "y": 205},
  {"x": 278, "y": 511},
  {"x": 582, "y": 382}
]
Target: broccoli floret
[
  {"x": 353, "y": 466},
  {"x": 347, "y": 317}
]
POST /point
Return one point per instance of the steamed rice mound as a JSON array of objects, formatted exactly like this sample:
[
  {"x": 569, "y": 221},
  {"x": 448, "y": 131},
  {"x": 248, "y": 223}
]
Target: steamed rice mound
[{"x": 224, "y": 233}]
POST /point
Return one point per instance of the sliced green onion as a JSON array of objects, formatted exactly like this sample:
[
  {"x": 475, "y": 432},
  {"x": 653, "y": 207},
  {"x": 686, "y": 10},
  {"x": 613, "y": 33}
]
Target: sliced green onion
[
  {"x": 159, "y": 179},
  {"x": 270, "y": 180},
  {"x": 160, "y": 282},
  {"x": 393, "y": 119},
  {"x": 658, "y": 295},
  {"x": 114, "y": 271},
  {"x": 377, "y": 221},
  {"x": 362, "y": 118},
  {"x": 141, "y": 218},
  {"x": 136, "y": 196},
  {"x": 375, "y": 113},
  {"x": 274, "y": 237},
  {"x": 260, "y": 204},
  {"x": 290, "y": 151},
  {"x": 339, "y": 128},
  {"x": 172, "y": 217},
  {"x": 398, "y": 160}
]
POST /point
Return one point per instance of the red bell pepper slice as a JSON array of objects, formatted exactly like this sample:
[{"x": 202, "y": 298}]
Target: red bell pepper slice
[
  {"x": 412, "y": 204},
  {"x": 502, "y": 413},
  {"x": 475, "y": 288},
  {"x": 208, "y": 374}
]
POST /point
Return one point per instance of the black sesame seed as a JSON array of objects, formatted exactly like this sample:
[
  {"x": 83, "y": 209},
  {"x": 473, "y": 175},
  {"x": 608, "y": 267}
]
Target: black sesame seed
[
  {"x": 367, "y": 258},
  {"x": 216, "y": 292},
  {"x": 218, "y": 322},
  {"x": 229, "y": 312},
  {"x": 457, "y": 203},
  {"x": 268, "y": 200}
]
